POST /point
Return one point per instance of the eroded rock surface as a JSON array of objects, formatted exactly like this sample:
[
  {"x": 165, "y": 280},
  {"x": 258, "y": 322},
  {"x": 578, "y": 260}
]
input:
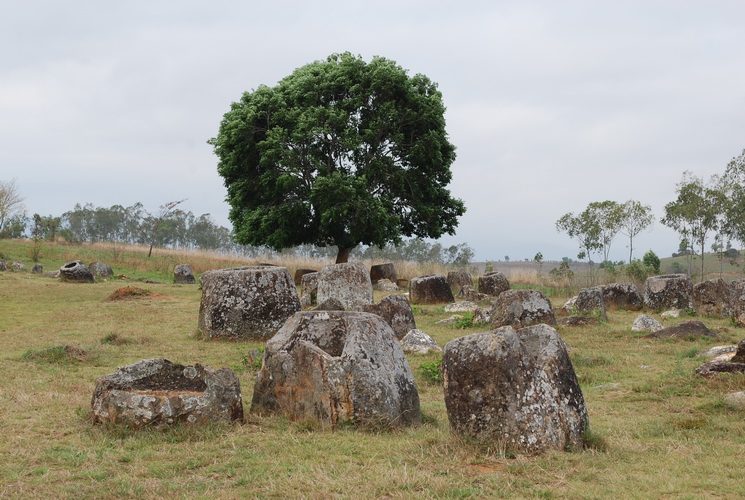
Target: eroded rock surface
[
  {"x": 299, "y": 273},
  {"x": 646, "y": 323},
  {"x": 182, "y": 274},
  {"x": 157, "y": 392},
  {"x": 578, "y": 321},
  {"x": 385, "y": 285},
  {"x": 493, "y": 283},
  {"x": 458, "y": 279},
  {"x": 76, "y": 272},
  {"x": 520, "y": 308},
  {"x": 337, "y": 366},
  {"x": 687, "y": 329},
  {"x": 349, "y": 283},
  {"x": 712, "y": 298},
  {"x": 246, "y": 302},
  {"x": 418, "y": 342},
  {"x": 590, "y": 302},
  {"x": 101, "y": 269},
  {"x": 668, "y": 291},
  {"x": 309, "y": 290},
  {"x": 396, "y": 311},
  {"x": 623, "y": 296},
  {"x": 737, "y": 301},
  {"x": 431, "y": 289},
  {"x": 383, "y": 272},
  {"x": 515, "y": 389}
]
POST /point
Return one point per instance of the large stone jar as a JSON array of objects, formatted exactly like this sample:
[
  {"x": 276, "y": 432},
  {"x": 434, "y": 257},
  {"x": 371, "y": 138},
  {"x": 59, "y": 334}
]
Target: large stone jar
[
  {"x": 157, "y": 392},
  {"x": 76, "y": 272},
  {"x": 246, "y": 302},
  {"x": 333, "y": 367},
  {"x": 668, "y": 291},
  {"x": 515, "y": 390},
  {"x": 348, "y": 282}
]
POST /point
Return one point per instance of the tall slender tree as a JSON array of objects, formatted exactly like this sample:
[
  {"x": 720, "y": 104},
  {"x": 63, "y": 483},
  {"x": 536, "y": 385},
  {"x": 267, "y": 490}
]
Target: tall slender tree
[
  {"x": 635, "y": 218},
  {"x": 696, "y": 212}
]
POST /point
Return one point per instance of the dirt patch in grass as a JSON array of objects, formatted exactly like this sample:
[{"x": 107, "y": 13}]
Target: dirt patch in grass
[{"x": 132, "y": 292}]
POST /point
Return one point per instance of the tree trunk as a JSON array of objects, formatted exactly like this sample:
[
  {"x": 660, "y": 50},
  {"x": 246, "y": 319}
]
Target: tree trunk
[
  {"x": 703, "y": 249},
  {"x": 343, "y": 255}
]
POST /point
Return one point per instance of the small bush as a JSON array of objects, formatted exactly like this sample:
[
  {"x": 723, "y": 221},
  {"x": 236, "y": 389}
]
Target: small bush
[
  {"x": 61, "y": 354},
  {"x": 465, "y": 321},
  {"x": 431, "y": 371},
  {"x": 651, "y": 261},
  {"x": 252, "y": 360},
  {"x": 636, "y": 271}
]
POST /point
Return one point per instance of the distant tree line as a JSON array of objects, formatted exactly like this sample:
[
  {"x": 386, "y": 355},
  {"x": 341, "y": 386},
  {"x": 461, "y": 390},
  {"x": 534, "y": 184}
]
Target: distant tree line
[
  {"x": 418, "y": 250},
  {"x": 703, "y": 211},
  {"x": 134, "y": 225},
  {"x": 179, "y": 229}
]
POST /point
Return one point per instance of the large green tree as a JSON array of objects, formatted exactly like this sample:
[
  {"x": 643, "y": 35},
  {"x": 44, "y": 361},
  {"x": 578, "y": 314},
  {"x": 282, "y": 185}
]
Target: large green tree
[{"x": 341, "y": 152}]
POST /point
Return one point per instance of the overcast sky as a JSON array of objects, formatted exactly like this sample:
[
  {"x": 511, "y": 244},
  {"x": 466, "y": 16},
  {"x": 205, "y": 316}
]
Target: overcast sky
[{"x": 551, "y": 104}]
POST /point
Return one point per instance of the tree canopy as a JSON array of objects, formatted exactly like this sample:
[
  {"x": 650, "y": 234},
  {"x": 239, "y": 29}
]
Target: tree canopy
[
  {"x": 696, "y": 212},
  {"x": 341, "y": 152}
]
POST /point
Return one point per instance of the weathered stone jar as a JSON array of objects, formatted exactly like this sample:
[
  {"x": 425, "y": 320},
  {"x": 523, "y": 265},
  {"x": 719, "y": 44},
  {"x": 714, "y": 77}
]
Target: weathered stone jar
[
  {"x": 157, "y": 392},
  {"x": 431, "y": 289},
  {"x": 76, "y": 272},
  {"x": 246, "y": 302},
  {"x": 182, "y": 274},
  {"x": 516, "y": 390},
  {"x": 348, "y": 282},
  {"x": 668, "y": 291},
  {"x": 337, "y": 366}
]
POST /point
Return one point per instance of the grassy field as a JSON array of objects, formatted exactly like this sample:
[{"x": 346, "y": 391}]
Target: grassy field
[{"x": 657, "y": 429}]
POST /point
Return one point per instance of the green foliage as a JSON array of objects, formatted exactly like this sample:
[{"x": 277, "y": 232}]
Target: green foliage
[
  {"x": 563, "y": 272},
  {"x": 488, "y": 267},
  {"x": 584, "y": 228},
  {"x": 696, "y": 212},
  {"x": 734, "y": 208},
  {"x": 464, "y": 321},
  {"x": 634, "y": 219},
  {"x": 431, "y": 371},
  {"x": 61, "y": 354},
  {"x": 12, "y": 214},
  {"x": 651, "y": 261},
  {"x": 678, "y": 268},
  {"x": 636, "y": 271},
  {"x": 253, "y": 359},
  {"x": 418, "y": 250},
  {"x": 135, "y": 225},
  {"x": 341, "y": 152}
]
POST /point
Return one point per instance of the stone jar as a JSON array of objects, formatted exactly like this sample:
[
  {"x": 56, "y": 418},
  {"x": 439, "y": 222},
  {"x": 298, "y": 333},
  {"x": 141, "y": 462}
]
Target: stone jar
[
  {"x": 246, "y": 302},
  {"x": 335, "y": 367}
]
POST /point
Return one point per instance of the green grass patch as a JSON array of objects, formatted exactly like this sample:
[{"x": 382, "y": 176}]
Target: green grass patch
[
  {"x": 431, "y": 371},
  {"x": 61, "y": 354}
]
